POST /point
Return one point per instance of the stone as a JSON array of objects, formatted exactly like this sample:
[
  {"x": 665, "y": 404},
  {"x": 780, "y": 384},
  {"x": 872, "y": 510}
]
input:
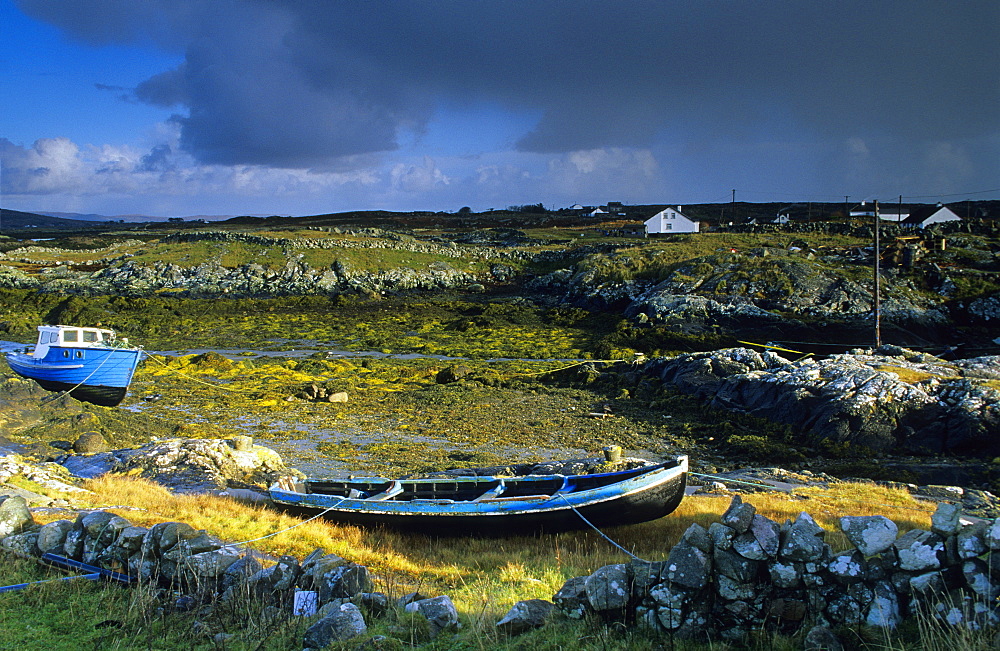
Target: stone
[
  {"x": 337, "y": 396},
  {"x": 721, "y": 535},
  {"x": 884, "y": 609},
  {"x": 687, "y": 566},
  {"x": 90, "y": 443},
  {"x": 439, "y": 611},
  {"x": 977, "y": 576},
  {"x": 767, "y": 533},
  {"x": 344, "y": 623},
  {"x": 343, "y": 581},
  {"x": 919, "y": 551},
  {"x": 971, "y": 540},
  {"x": 571, "y": 598},
  {"x": 848, "y": 567},
  {"x": 452, "y": 374},
  {"x": 869, "y": 534},
  {"x": 697, "y": 536},
  {"x": 945, "y": 520},
  {"x": 52, "y": 536},
  {"x": 785, "y": 574},
  {"x": 735, "y": 566},
  {"x": 803, "y": 541},
  {"x": 734, "y": 590},
  {"x": 14, "y": 515},
  {"x": 242, "y": 443},
  {"x": 608, "y": 588},
  {"x": 993, "y": 535},
  {"x": 929, "y": 584},
  {"x": 525, "y": 616},
  {"x": 22, "y": 544},
  {"x": 739, "y": 515},
  {"x": 645, "y": 575},
  {"x": 821, "y": 638}
]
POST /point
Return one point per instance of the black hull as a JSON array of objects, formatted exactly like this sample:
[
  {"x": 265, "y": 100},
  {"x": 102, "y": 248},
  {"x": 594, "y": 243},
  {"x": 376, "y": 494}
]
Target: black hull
[
  {"x": 642, "y": 506},
  {"x": 98, "y": 395}
]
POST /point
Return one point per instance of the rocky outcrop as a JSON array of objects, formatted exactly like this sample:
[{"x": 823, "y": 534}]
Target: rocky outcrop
[
  {"x": 890, "y": 399},
  {"x": 188, "y": 465},
  {"x": 747, "y": 573}
]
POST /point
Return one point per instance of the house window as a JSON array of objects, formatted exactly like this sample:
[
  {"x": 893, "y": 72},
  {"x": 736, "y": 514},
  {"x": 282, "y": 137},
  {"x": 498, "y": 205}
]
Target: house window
[{"x": 668, "y": 227}]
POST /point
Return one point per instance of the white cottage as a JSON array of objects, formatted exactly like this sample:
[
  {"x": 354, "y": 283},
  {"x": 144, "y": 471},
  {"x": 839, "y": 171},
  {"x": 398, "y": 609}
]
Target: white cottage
[
  {"x": 670, "y": 220},
  {"x": 927, "y": 215}
]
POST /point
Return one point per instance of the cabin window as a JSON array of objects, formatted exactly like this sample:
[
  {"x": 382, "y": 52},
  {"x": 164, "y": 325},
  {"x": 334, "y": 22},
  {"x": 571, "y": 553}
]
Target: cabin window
[
  {"x": 79, "y": 354},
  {"x": 89, "y": 336},
  {"x": 71, "y": 335},
  {"x": 65, "y": 353}
]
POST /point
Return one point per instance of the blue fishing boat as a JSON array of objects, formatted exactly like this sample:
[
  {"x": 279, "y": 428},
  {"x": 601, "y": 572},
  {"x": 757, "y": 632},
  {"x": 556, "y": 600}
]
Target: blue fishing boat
[
  {"x": 92, "y": 364},
  {"x": 493, "y": 505}
]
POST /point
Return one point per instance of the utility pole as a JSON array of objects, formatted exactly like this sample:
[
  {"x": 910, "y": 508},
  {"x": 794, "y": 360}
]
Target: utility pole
[
  {"x": 899, "y": 214},
  {"x": 734, "y": 205},
  {"x": 847, "y": 208},
  {"x": 877, "y": 298}
]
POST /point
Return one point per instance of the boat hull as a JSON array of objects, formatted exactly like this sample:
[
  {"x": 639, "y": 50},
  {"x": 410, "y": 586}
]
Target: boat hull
[
  {"x": 645, "y": 496},
  {"x": 97, "y": 375}
]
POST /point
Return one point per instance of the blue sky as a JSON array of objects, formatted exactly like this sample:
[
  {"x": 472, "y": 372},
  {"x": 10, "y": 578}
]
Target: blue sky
[{"x": 188, "y": 107}]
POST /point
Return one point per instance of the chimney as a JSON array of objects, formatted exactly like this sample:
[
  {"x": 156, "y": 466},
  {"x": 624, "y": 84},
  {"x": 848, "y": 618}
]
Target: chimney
[{"x": 680, "y": 208}]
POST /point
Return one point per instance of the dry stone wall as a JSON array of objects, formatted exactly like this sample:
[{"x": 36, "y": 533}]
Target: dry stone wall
[
  {"x": 748, "y": 573},
  {"x": 743, "y": 573}
]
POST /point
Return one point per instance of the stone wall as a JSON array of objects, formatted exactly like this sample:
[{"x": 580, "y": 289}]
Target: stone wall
[
  {"x": 744, "y": 573},
  {"x": 749, "y": 573},
  {"x": 204, "y": 573}
]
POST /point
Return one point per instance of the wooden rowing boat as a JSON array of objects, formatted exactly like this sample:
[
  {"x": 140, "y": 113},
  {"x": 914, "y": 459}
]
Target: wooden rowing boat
[{"x": 493, "y": 505}]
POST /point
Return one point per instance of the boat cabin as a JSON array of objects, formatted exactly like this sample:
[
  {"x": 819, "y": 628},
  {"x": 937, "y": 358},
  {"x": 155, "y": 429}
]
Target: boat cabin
[{"x": 62, "y": 336}]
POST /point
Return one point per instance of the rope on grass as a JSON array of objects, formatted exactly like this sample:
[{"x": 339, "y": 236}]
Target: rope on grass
[
  {"x": 298, "y": 524},
  {"x": 601, "y": 533}
]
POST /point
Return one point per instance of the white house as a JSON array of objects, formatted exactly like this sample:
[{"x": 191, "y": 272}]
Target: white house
[
  {"x": 670, "y": 220},
  {"x": 886, "y": 212},
  {"x": 925, "y": 216}
]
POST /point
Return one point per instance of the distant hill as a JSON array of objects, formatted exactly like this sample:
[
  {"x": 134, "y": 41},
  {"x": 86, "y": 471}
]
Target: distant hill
[
  {"x": 131, "y": 219},
  {"x": 17, "y": 220}
]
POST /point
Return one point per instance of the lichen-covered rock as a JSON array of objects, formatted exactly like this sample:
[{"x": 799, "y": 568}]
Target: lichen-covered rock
[
  {"x": 739, "y": 515},
  {"x": 52, "y": 536},
  {"x": 946, "y": 519},
  {"x": 687, "y": 566},
  {"x": 872, "y": 534},
  {"x": 571, "y": 598},
  {"x": 525, "y": 616},
  {"x": 188, "y": 465},
  {"x": 440, "y": 613},
  {"x": 608, "y": 588},
  {"x": 919, "y": 551},
  {"x": 884, "y": 609},
  {"x": 803, "y": 540},
  {"x": 848, "y": 568},
  {"x": 344, "y": 623},
  {"x": 14, "y": 515}
]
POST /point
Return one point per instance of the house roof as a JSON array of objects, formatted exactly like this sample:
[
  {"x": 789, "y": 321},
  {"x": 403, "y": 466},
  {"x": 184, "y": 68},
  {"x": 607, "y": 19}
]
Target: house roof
[{"x": 919, "y": 214}]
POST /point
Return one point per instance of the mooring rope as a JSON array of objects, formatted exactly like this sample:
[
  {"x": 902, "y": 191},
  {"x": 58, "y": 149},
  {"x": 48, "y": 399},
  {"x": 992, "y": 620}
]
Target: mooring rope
[
  {"x": 298, "y": 524},
  {"x": 601, "y": 533}
]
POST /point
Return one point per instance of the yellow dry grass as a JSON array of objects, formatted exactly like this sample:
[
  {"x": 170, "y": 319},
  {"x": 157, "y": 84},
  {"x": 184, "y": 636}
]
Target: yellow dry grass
[{"x": 482, "y": 575}]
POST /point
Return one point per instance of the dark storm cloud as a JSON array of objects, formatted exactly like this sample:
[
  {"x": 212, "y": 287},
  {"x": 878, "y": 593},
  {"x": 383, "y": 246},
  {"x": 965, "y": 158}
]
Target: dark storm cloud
[{"x": 299, "y": 84}]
